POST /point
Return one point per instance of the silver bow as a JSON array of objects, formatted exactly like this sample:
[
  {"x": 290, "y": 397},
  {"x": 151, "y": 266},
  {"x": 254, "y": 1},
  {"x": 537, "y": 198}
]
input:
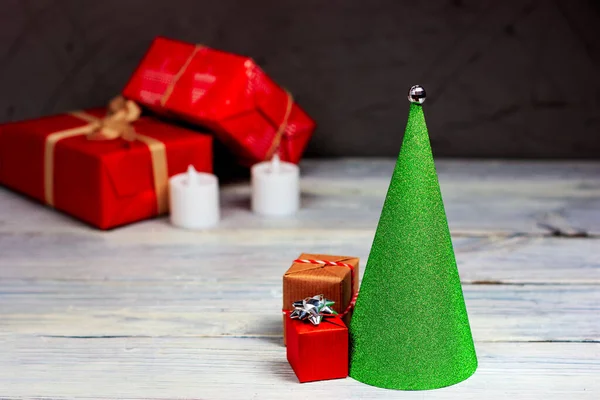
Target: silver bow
[{"x": 312, "y": 309}]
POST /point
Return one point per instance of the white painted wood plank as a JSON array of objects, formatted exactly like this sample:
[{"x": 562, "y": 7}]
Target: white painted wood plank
[
  {"x": 165, "y": 310},
  {"x": 208, "y": 307},
  {"x": 480, "y": 197},
  {"x": 263, "y": 256},
  {"x": 233, "y": 368}
]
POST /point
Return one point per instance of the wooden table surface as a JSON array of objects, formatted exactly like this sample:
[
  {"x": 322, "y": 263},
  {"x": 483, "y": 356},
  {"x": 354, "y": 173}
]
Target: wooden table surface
[{"x": 149, "y": 311}]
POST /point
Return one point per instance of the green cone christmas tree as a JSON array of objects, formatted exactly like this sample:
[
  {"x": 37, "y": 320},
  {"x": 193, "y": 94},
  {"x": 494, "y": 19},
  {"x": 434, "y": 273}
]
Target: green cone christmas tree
[{"x": 410, "y": 328}]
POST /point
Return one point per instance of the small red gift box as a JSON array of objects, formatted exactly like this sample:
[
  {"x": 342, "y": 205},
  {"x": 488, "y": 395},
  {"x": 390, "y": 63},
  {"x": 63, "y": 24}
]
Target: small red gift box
[
  {"x": 317, "y": 352},
  {"x": 105, "y": 183},
  {"x": 226, "y": 93}
]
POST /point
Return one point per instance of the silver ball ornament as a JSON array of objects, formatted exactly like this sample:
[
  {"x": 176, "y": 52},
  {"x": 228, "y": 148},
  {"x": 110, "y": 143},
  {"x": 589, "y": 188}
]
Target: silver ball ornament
[{"x": 417, "y": 94}]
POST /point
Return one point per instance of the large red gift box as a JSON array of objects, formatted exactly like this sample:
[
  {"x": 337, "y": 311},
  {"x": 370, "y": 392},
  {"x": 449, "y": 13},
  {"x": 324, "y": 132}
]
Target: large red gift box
[
  {"x": 317, "y": 352},
  {"x": 105, "y": 183},
  {"x": 227, "y": 93}
]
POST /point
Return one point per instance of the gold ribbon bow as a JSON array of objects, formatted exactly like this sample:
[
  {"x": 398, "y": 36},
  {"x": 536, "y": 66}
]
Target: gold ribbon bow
[{"x": 116, "y": 124}]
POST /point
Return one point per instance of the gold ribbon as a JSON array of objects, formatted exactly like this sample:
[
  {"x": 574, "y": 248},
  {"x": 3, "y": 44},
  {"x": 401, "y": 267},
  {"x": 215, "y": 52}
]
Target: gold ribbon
[
  {"x": 178, "y": 75},
  {"x": 282, "y": 127},
  {"x": 117, "y": 123}
]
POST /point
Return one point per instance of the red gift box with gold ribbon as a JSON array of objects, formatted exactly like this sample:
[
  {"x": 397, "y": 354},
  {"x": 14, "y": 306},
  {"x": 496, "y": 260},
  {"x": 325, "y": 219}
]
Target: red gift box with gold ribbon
[
  {"x": 105, "y": 169},
  {"x": 227, "y": 93}
]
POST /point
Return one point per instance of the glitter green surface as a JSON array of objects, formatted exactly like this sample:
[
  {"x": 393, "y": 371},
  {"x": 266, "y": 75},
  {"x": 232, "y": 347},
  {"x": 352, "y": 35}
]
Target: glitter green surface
[{"x": 410, "y": 328}]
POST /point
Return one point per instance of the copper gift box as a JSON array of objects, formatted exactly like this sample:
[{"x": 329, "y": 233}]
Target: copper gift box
[{"x": 308, "y": 277}]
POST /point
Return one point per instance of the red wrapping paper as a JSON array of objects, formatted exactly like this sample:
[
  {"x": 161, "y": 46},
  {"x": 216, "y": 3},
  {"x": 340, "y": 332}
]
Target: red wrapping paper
[
  {"x": 224, "y": 92},
  {"x": 104, "y": 183},
  {"x": 319, "y": 352}
]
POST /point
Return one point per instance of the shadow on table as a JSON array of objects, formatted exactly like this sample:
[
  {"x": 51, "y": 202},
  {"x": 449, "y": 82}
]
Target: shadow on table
[
  {"x": 242, "y": 201},
  {"x": 308, "y": 199},
  {"x": 271, "y": 331}
]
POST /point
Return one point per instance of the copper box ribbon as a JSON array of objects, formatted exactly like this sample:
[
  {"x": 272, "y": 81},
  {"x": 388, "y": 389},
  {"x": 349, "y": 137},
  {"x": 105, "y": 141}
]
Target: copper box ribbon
[{"x": 327, "y": 263}]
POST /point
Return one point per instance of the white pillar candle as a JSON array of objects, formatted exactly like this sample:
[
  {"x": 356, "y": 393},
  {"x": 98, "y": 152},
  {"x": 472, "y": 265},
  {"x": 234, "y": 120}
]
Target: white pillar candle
[
  {"x": 194, "y": 199},
  {"x": 275, "y": 188}
]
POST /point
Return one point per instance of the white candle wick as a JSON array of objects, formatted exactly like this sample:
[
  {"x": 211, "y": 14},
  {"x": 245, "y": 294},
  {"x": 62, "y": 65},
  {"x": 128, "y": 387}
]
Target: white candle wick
[
  {"x": 191, "y": 175},
  {"x": 275, "y": 163}
]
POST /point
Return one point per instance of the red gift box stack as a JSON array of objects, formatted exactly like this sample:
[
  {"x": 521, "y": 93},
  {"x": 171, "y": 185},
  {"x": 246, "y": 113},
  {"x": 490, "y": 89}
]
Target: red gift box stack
[
  {"x": 109, "y": 169},
  {"x": 227, "y": 93},
  {"x": 318, "y": 350}
]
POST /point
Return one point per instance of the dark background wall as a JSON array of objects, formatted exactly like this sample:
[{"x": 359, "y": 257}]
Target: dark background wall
[{"x": 511, "y": 78}]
